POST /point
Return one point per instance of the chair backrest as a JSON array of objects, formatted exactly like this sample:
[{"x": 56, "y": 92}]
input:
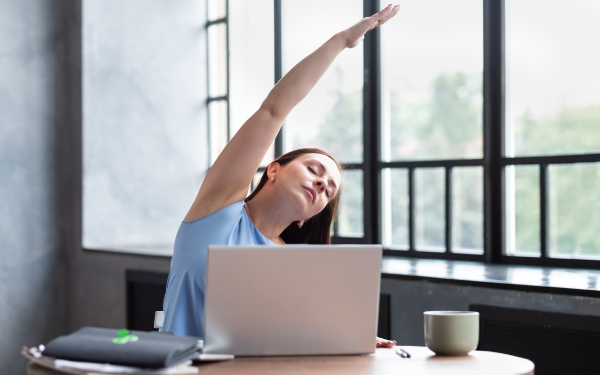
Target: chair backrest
[{"x": 159, "y": 319}]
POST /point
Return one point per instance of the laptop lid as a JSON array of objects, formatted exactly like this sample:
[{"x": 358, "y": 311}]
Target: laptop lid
[{"x": 292, "y": 300}]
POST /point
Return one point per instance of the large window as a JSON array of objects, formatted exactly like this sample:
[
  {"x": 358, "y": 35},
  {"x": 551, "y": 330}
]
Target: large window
[
  {"x": 469, "y": 132},
  {"x": 331, "y": 115},
  {"x": 143, "y": 121},
  {"x": 251, "y": 61},
  {"x": 432, "y": 127},
  {"x": 552, "y": 125}
]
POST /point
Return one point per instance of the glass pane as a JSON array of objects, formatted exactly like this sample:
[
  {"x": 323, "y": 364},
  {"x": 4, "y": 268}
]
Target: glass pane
[
  {"x": 429, "y": 209},
  {"x": 143, "y": 122},
  {"x": 432, "y": 81},
  {"x": 523, "y": 210},
  {"x": 251, "y": 61},
  {"x": 574, "y": 210},
  {"x": 562, "y": 117},
  {"x": 331, "y": 115},
  {"x": 350, "y": 212},
  {"x": 467, "y": 210},
  {"x": 395, "y": 208},
  {"x": 217, "y": 112},
  {"x": 217, "y": 60},
  {"x": 553, "y": 75},
  {"x": 217, "y": 9}
]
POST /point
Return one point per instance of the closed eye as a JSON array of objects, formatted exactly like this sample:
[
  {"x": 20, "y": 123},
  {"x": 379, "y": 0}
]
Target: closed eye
[{"x": 313, "y": 172}]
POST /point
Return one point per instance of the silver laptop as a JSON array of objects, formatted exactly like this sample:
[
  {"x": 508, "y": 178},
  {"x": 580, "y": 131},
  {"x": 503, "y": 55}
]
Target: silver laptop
[{"x": 291, "y": 300}]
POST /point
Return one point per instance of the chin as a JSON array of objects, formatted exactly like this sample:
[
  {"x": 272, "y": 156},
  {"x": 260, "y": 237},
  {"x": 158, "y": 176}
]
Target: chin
[{"x": 300, "y": 204}]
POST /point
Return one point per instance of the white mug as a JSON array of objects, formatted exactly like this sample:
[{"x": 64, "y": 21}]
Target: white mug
[{"x": 451, "y": 332}]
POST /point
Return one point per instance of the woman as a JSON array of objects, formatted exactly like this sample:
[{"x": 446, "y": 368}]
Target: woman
[{"x": 295, "y": 201}]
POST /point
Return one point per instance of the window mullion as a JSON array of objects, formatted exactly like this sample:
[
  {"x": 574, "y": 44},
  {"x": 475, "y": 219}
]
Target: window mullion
[
  {"x": 371, "y": 128},
  {"x": 493, "y": 129},
  {"x": 544, "y": 211},
  {"x": 278, "y": 66}
]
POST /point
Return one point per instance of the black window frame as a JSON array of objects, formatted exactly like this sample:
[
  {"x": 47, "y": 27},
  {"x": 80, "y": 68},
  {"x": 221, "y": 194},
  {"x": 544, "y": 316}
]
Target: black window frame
[
  {"x": 493, "y": 162},
  {"x": 221, "y": 98}
]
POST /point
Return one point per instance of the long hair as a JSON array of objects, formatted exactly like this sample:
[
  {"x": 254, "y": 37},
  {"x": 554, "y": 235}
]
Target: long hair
[{"x": 317, "y": 229}]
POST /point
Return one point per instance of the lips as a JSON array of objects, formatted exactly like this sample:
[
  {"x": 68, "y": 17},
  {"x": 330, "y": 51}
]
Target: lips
[{"x": 312, "y": 193}]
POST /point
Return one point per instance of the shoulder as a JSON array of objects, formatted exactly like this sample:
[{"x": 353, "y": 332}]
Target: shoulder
[{"x": 213, "y": 229}]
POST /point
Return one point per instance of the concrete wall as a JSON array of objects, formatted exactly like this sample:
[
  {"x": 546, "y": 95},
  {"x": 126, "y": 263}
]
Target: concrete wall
[
  {"x": 49, "y": 286},
  {"x": 409, "y": 299},
  {"x": 33, "y": 261}
]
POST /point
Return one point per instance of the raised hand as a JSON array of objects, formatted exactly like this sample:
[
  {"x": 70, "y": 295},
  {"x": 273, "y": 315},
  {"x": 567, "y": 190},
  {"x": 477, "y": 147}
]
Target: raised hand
[
  {"x": 227, "y": 180},
  {"x": 356, "y": 33}
]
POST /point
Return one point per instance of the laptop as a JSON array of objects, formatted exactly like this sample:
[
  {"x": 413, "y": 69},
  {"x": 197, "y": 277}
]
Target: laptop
[{"x": 291, "y": 300}]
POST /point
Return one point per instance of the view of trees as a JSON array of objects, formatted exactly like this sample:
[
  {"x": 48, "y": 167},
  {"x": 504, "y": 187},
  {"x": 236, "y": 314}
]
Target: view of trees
[
  {"x": 574, "y": 205},
  {"x": 341, "y": 134},
  {"x": 448, "y": 125},
  {"x": 445, "y": 125}
]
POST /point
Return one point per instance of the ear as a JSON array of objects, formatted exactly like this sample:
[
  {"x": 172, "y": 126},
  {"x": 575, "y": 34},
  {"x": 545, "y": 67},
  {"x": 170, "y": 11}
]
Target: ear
[{"x": 273, "y": 169}]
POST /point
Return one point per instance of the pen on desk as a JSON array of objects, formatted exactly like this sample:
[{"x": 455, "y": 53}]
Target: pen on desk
[{"x": 402, "y": 353}]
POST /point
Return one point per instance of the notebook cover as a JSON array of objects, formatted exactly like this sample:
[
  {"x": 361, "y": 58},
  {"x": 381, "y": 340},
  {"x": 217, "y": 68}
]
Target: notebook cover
[{"x": 122, "y": 347}]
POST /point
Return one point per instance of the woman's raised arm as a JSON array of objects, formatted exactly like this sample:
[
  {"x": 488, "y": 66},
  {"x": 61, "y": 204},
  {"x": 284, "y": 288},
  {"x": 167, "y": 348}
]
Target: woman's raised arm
[{"x": 228, "y": 179}]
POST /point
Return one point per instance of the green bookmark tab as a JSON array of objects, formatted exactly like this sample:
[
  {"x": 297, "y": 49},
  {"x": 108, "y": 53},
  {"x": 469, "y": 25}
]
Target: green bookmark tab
[{"x": 124, "y": 337}]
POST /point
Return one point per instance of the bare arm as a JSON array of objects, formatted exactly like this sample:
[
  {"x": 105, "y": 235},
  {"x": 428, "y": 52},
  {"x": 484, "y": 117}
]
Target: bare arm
[{"x": 228, "y": 179}]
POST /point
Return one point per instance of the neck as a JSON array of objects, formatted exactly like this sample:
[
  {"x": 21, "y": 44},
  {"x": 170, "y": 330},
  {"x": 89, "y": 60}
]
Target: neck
[{"x": 268, "y": 216}]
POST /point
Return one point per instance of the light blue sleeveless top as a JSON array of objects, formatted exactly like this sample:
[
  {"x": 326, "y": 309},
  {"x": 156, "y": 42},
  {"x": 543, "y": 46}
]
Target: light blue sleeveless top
[{"x": 184, "y": 301}]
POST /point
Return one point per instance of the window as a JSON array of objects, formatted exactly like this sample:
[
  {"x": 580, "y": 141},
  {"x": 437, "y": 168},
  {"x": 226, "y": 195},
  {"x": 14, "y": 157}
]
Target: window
[
  {"x": 217, "y": 31},
  {"x": 472, "y": 132},
  {"x": 143, "y": 122},
  {"x": 251, "y": 60},
  {"x": 432, "y": 127},
  {"x": 552, "y": 130},
  {"x": 331, "y": 116}
]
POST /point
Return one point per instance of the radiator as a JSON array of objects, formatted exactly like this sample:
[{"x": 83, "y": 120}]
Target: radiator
[{"x": 556, "y": 343}]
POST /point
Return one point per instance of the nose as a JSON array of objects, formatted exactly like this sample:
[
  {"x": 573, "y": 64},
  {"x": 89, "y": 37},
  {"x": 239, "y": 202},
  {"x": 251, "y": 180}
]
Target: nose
[{"x": 321, "y": 185}]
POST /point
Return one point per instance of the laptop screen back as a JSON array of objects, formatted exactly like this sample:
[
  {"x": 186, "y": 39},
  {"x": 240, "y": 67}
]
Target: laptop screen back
[{"x": 292, "y": 300}]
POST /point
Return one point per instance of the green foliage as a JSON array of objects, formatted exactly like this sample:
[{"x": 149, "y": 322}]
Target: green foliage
[
  {"x": 570, "y": 131},
  {"x": 575, "y": 209},
  {"x": 527, "y": 207},
  {"x": 341, "y": 133},
  {"x": 574, "y": 205},
  {"x": 448, "y": 124}
]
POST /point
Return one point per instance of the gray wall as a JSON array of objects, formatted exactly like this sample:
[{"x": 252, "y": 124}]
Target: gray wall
[
  {"x": 410, "y": 298},
  {"x": 33, "y": 266},
  {"x": 49, "y": 286}
]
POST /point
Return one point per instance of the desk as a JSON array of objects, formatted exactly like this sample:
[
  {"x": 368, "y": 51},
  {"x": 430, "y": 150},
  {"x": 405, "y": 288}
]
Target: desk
[{"x": 384, "y": 361}]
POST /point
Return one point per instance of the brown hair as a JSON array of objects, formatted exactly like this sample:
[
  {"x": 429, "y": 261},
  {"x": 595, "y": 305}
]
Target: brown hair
[{"x": 317, "y": 229}]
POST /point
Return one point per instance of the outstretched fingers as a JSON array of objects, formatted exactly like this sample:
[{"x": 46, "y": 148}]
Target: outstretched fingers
[
  {"x": 384, "y": 15},
  {"x": 357, "y": 32}
]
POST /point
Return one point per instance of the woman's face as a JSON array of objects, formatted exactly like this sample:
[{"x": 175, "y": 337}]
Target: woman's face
[{"x": 310, "y": 182}]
